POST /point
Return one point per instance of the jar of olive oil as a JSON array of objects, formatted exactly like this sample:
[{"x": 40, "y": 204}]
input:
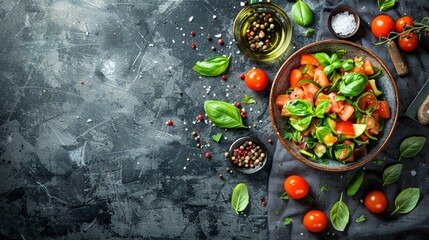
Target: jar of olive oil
[{"x": 262, "y": 31}]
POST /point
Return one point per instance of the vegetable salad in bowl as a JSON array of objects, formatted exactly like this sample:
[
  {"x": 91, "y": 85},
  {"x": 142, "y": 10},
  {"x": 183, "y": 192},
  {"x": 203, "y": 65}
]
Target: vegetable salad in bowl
[{"x": 334, "y": 108}]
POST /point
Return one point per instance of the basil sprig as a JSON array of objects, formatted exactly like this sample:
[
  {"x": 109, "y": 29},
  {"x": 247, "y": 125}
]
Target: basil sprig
[
  {"x": 392, "y": 174},
  {"x": 320, "y": 109},
  {"x": 299, "y": 107},
  {"x": 340, "y": 214},
  {"x": 353, "y": 84},
  {"x": 302, "y": 14},
  {"x": 223, "y": 114},
  {"x": 213, "y": 66},
  {"x": 406, "y": 200},
  {"x": 411, "y": 146},
  {"x": 354, "y": 182},
  {"x": 240, "y": 197},
  {"x": 385, "y": 5}
]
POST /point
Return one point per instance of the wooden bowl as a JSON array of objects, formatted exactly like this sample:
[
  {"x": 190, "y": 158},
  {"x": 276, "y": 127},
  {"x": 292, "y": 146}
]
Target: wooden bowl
[
  {"x": 341, "y": 9},
  {"x": 385, "y": 83}
]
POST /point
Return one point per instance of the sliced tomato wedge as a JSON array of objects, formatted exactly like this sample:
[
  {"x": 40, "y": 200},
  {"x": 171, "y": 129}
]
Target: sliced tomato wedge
[
  {"x": 282, "y": 99},
  {"x": 337, "y": 106},
  {"x": 383, "y": 109},
  {"x": 346, "y": 113},
  {"x": 307, "y": 71},
  {"x": 306, "y": 58},
  {"x": 367, "y": 101},
  {"x": 367, "y": 68},
  {"x": 284, "y": 112},
  {"x": 321, "y": 97},
  {"x": 310, "y": 90},
  {"x": 321, "y": 78},
  {"x": 297, "y": 93},
  {"x": 345, "y": 128},
  {"x": 360, "y": 70},
  {"x": 294, "y": 77}
]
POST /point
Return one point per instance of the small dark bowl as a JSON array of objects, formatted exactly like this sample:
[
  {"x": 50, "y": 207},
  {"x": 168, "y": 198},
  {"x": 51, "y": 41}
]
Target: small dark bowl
[
  {"x": 237, "y": 144},
  {"x": 341, "y": 9}
]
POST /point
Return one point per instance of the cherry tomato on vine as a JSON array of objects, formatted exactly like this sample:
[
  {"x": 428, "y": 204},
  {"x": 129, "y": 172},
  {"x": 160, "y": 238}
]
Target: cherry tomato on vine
[
  {"x": 315, "y": 221},
  {"x": 382, "y": 25},
  {"x": 296, "y": 187},
  {"x": 256, "y": 79},
  {"x": 402, "y": 22},
  {"x": 408, "y": 41},
  {"x": 375, "y": 201}
]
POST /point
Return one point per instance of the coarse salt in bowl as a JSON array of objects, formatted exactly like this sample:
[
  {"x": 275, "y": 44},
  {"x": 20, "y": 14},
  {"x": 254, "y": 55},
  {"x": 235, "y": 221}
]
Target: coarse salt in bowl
[{"x": 343, "y": 22}]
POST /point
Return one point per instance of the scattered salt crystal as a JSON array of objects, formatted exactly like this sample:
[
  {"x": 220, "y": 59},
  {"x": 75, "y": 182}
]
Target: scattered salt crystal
[
  {"x": 184, "y": 168},
  {"x": 343, "y": 23},
  {"x": 218, "y": 35},
  {"x": 201, "y": 28},
  {"x": 89, "y": 120},
  {"x": 77, "y": 117},
  {"x": 413, "y": 172},
  {"x": 173, "y": 41},
  {"x": 214, "y": 16},
  {"x": 191, "y": 18},
  {"x": 151, "y": 45},
  {"x": 87, "y": 33},
  {"x": 242, "y": 4},
  {"x": 183, "y": 34}
]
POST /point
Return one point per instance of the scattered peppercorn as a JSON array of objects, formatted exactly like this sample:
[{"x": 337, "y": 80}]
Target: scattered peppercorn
[
  {"x": 199, "y": 145},
  {"x": 242, "y": 76},
  {"x": 208, "y": 155},
  {"x": 194, "y": 133},
  {"x": 209, "y": 37},
  {"x": 192, "y": 33},
  {"x": 220, "y": 175},
  {"x": 213, "y": 48},
  {"x": 200, "y": 117},
  {"x": 270, "y": 140},
  {"x": 170, "y": 122},
  {"x": 228, "y": 169},
  {"x": 224, "y": 77},
  {"x": 264, "y": 203},
  {"x": 193, "y": 45},
  {"x": 226, "y": 154},
  {"x": 220, "y": 42},
  {"x": 82, "y": 83},
  {"x": 237, "y": 104}
]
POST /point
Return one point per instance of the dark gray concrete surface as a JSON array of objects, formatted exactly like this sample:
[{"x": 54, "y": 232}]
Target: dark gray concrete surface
[{"x": 86, "y": 89}]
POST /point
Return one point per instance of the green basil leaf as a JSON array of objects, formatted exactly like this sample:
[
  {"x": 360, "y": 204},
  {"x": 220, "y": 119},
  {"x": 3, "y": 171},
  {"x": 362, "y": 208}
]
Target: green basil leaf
[
  {"x": 213, "y": 66},
  {"x": 340, "y": 98},
  {"x": 359, "y": 62},
  {"x": 223, "y": 114},
  {"x": 406, "y": 200},
  {"x": 340, "y": 53},
  {"x": 240, "y": 197},
  {"x": 217, "y": 137},
  {"x": 247, "y": 100},
  {"x": 321, "y": 132},
  {"x": 324, "y": 188},
  {"x": 302, "y": 14},
  {"x": 340, "y": 215},
  {"x": 323, "y": 58},
  {"x": 320, "y": 109},
  {"x": 304, "y": 70},
  {"x": 385, "y": 5},
  {"x": 284, "y": 196},
  {"x": 310, "y": 32},
  {"x": 353, "y": 84},
  {"x": 348, "y": 65},
  {"x": 361, "y": 218},
  {"x": 299, "y": 107},
  {"x": 329, "y": 69},
  {"x": 287, "y": 221},
  {"x": 354, "y": 182},
  {"x": 337, "y": 64},
  {"x": 392, "y": 174},
  {"x": 411, "y": 146},
  {"x": 334, "y": 58}
]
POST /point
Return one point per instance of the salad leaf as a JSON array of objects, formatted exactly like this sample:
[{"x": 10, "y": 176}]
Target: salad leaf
[
  {"x": 411, "y": 146},
  {"x": 310, "y": 32},
  {"x": 353, "y": 84},
  {"x": 406, "y": 200},
  {"x": 299, "y": 107},
  {"x": 348, "y": 65},
  {"x": 321, "y": 132},
  {"x": 240, "y": 197},
  {"x": 284, "y": 196},
  {"x": 213, "y": 66},
  {"x": 392, "y": 174},
  {"x": 320, "y": 109},
  {"x": 302, "y": 14},
  {"x": 323, "y": 58},
  {"x": 354, "y": 182},
  {"x": 361, "y": 218},
  {"x": 340, "y": 215},
  {"x": 217, "y": 137},
  {"x": 247, "y": 100},
  {"x": 287, "y": 221},
  {"x": 223, "y": 114},
  {"x": 385, "y": 5}
]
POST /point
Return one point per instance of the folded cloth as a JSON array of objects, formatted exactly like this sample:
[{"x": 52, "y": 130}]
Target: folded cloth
[{"x": 415, "y": 173}]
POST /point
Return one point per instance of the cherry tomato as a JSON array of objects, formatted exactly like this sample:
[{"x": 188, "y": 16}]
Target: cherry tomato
[
  {"x": 382, "y": 25},
  {"x": 296, "y": 187},
  {"x": 282, "y": 99},
  {"x": 294, "y": 77},
  {"x": 308, "y": 59},
  {"x": 256, "y": 79},
  {"x": 402, "y": 22},
  {"x": 375, "y": 202},
  {"x": 315, "y": 221},
  {"x": 408, "y": 41}
]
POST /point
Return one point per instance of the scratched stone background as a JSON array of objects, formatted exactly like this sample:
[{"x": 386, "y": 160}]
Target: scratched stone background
[{"x": 86, "y": 89}]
